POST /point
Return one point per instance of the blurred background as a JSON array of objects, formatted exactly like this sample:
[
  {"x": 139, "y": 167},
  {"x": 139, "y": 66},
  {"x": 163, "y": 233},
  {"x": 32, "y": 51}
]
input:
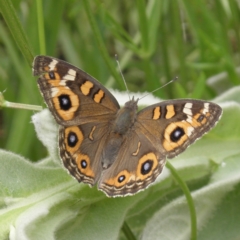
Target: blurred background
[{"x": 155, "y": 40}]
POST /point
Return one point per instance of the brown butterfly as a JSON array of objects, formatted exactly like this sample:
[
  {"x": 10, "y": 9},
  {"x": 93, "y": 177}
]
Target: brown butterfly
[{"x": 120, "y": 149}]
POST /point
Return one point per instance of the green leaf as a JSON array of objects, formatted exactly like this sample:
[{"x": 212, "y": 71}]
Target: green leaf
[
  {"x": 42, "y": 201},
  {"x": 208, "y": 202}
]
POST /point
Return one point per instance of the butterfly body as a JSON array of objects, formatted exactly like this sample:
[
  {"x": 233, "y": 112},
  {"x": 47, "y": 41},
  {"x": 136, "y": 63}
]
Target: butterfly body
[{"x": 119, "y": 149}]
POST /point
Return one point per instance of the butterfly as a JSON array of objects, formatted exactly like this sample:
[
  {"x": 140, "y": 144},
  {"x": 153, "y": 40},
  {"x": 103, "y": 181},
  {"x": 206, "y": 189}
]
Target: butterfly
[{"x": 121, "y": 150}]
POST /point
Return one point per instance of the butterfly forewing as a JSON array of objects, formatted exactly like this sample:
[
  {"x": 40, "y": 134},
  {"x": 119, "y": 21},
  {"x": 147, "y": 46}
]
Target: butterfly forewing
[
  {"x": 173, "y": 125},
  {"x": 73, "y": 96}
]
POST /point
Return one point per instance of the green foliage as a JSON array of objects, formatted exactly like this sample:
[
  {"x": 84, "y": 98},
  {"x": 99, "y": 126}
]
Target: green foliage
[
  {"x": 41, "y": 199},
  {"x": 155, "y": 41}
]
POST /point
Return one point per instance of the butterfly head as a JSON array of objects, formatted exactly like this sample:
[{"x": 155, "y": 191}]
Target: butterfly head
[{"x": 132, "y": 104}]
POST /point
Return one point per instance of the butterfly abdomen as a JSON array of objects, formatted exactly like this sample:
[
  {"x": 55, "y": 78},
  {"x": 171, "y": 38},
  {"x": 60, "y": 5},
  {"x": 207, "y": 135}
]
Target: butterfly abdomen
[
  {"x": 121, "y": 126},
  {"x": 111, "y": 149}
]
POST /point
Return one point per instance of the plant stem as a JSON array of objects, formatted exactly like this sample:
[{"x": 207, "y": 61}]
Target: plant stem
[{"x": 189, "y": 199}]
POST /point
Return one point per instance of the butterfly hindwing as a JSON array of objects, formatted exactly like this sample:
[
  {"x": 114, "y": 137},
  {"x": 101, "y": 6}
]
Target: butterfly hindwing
[
  {"x": 137, "y": 165},
  {"x": 81, "y": 150}
]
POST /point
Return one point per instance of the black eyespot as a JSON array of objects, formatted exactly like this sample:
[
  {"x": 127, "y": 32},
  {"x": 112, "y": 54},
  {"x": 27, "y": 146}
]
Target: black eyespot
[
  {"x": 72, "y": 139},
  {"x": 84, "y": 163},
  {"x": 65, "y": 102},
  {"x": 146, "y": 167},
  {"x": 200, "y": 118},
  {"x": 51, "y": 75},
  {"x": 121, "y": 178},
  {"x": 177, "y": 134}
]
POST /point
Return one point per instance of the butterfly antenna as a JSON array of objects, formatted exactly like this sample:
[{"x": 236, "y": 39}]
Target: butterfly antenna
[
  {"x": 173, "y": 80},
  {"x": 119, "y": 68}
]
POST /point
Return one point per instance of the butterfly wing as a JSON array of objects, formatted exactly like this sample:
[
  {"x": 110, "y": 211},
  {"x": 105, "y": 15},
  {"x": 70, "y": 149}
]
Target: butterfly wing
[
  {"x": 81, "y": 150},
  {"x": 83, "y": 108},
  {"x": 137, "y": 165},
  {"x": 161, "y": 130},
  {"x": 73, "y": 96},
  {"x": 173, "y": 125}
]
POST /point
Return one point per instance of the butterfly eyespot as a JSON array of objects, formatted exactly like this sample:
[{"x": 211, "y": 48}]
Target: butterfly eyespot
[
  {"x": 147, "y": 164},
  {"x": 176, "y": 134},
  {"x": 72, "y": 139},
  {"x": 146, "y": 167},
  {"x": 84, "y": 163},
  {"x": 51, "y": 75},
  {"x": 65, "y": 102},
  {"x": 121, "y": 178}
]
